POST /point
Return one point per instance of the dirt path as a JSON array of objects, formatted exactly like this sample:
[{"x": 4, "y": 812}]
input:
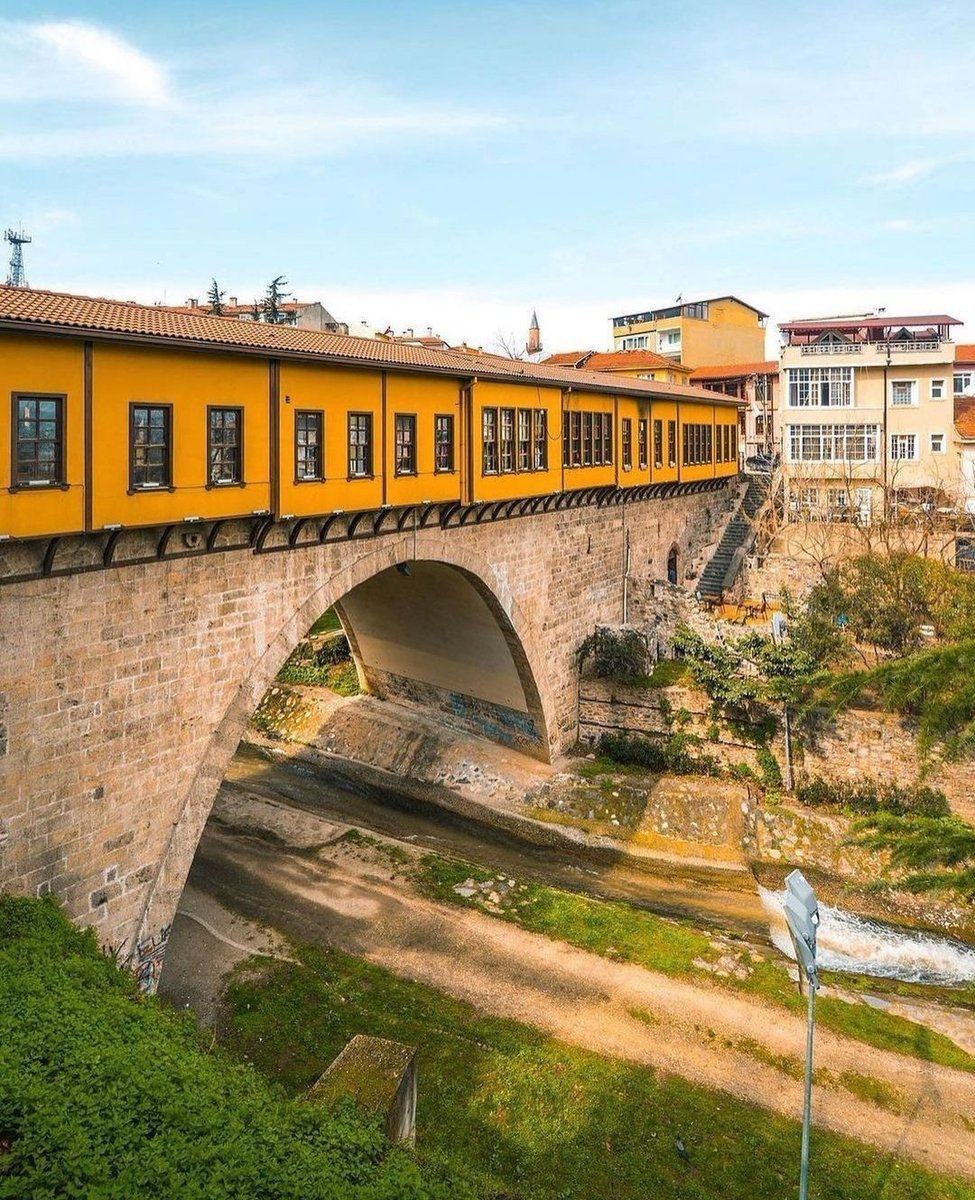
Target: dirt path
[{"x": 349, "y": 898}]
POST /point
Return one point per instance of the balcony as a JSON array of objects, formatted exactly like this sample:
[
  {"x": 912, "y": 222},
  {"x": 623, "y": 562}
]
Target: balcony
[
  {"x": 927, "y": 347},
  {"x": 832, "y": 348}
]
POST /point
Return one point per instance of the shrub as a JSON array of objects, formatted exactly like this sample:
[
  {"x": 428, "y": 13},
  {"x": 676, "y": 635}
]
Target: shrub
[
  {"x": 619, "y": 654},
  {"x": 674, "y": 755},
  {"x": 771, "y": 772},
  {"x": 868, "y": 797},
  {"x": 332, "y": 651}
]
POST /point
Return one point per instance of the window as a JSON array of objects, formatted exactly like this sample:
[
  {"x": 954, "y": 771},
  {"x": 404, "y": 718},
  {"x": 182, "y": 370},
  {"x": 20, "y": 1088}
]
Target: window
[
  {"x": 360, "y": 445},
  {"x": 937, "y": 389},
  {"x": 576, "y": 447},
  {"x": 670, "y": 338},
  {"x": 224, "y": 445},
  {"x": 489, "y": 434},
  {"x": 524, "y": 439},
  {"x": 309, "y": 428},
  {"x": 672, "y": 443},
  {"x": 405, "y": 444},
  {"x": 443, "y": 442},
  {"x": 698, "y": 445},
  {"x": 642, "y": 444},
  {"x": 903, "y": 446},
  {"x": 637, "y": 341},
  {"x": 820, "y": 387},
  {"x": 964, "y": 383},
  {"x": 627, "y": 424},
  {"x": 540, "y": 453},
  {"x": 903, "y": 392},
  {"x": 833, "y": 443},
  {"x": 658, "y": 443},
  {"x": 507, "y": 416},
  {"x": 151, "y": 445},
  {"x": 39, "y": 446},
  {"x": 937, "y": 443},
  {"x": 587, "y": 438}
]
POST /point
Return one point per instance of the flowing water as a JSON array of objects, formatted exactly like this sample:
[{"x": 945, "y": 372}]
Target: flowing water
[{"x": 846, "y": 942}]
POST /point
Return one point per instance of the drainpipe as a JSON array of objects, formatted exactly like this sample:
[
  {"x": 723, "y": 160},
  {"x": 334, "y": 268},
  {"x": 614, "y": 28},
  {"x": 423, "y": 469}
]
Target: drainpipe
[{"x": 883, "y": 452}]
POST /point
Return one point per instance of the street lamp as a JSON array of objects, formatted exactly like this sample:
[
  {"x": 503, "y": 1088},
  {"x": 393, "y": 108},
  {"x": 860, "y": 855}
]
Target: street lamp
[{"x": 802, "y": 918}]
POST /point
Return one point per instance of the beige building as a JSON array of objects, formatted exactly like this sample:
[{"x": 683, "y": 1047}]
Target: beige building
[
  {"x": 964, "y": 401},
  {"x": 719, "y": 330},
  {"x": 867, "y": 419}
]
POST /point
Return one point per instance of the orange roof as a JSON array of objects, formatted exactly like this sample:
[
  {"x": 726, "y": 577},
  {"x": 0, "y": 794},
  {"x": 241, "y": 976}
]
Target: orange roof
[
  {"x": 965, "y": 353},
  {"x": 234, "y": 310},
  {"x": 614, "y": 360},
  {"x": 31, "y": 310},
  {"x": 965, "y": 416},
  {"x": 736, "y": 370}
]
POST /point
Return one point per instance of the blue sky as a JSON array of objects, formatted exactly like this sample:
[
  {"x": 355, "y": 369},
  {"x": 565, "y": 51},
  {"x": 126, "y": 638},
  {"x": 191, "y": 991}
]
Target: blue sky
[{"x": 456, "y": 165}]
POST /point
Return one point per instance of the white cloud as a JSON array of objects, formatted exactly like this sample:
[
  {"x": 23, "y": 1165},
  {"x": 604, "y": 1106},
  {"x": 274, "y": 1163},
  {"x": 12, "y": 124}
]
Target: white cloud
[
  {"x": 910, "y": 172},
  {"x": 60, "y": 59}
]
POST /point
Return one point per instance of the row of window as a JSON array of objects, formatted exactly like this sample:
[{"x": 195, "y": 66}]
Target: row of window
[
  {"x": 513, "y": 440},
  {"x": 855, "y": 443},
  {"x": 833, "y": 387}
]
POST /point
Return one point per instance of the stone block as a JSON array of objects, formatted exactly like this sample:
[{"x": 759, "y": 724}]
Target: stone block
[{"x": 379, "y": 1075}]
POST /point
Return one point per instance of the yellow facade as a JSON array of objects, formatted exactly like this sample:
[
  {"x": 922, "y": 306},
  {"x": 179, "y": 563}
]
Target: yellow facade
[
  {"x": 291, "y": 420},
  {"x": 731, "y": 332}
]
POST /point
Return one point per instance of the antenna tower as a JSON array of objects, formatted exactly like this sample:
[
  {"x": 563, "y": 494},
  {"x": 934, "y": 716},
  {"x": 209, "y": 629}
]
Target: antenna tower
[{"x": 17, "y": 239}]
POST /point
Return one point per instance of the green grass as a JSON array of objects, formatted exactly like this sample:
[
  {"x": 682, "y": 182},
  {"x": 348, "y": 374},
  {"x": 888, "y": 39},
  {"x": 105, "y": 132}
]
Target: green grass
[
  {"x": 328, "y": 622},
  {"x": 337, "y": 677},
  {"x": 521, "y": 1115},
  {"x": 666, "y": 673},
  {"x": 108, "y": 1094},
  {"x": 619, "y": 931}
]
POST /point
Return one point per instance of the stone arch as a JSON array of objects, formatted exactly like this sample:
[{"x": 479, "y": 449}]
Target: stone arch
[{"x": 322, "y": 590}]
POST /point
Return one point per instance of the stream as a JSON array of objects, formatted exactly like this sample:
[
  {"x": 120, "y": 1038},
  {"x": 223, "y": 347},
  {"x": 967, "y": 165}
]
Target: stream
[{"x": 859, "y": 946}]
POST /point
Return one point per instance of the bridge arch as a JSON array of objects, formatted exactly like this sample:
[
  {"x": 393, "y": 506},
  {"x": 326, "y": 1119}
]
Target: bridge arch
[{"x": 440, "y": 580}]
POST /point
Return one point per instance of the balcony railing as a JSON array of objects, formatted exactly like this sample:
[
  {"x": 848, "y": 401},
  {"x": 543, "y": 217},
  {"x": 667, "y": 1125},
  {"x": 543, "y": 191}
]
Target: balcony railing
[
  {"x": 901, "y": 347},
  {"x": 832, "y": 348}
]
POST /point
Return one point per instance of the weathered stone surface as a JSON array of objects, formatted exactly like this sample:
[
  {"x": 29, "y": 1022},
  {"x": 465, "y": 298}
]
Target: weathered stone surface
[
  {"x": 378, "y": 1074},
  {"x": 126, "y": 691}
]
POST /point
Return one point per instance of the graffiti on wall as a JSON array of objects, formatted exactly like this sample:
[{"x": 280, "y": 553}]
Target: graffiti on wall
[{"x": 148, "y": 959}]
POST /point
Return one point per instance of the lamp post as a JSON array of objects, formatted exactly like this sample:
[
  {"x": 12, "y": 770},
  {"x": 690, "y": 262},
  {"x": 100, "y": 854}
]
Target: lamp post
[{"x": 802, "y": 918}]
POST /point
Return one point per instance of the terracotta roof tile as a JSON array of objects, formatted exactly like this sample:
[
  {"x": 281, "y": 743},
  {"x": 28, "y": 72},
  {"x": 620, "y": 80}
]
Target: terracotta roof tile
[
  {"x": 29, "y": 308},
  {"x": 628, "y": 360},
  {"x": 965, "y": 416},
  {"x": 736, "y": 370},
  {"x": 965, "y": 353},
  {"x": 567, "y": 358}
]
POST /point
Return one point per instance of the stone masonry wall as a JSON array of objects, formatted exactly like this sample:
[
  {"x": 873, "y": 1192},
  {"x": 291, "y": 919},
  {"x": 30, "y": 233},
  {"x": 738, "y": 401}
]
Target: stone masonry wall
[{"x": 124, "y": 693}]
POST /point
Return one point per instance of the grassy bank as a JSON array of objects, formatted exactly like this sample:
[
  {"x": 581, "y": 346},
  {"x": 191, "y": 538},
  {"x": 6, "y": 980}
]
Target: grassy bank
[
  {"x": 106, "y": 1094},
  {"x": 523, "y": 1116},
  {"x": 676, "y": 948}
]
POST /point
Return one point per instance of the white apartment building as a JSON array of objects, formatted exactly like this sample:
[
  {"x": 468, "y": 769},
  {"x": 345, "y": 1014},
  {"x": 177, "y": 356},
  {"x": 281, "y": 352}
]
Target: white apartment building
[{"x": 867, "y": 415}]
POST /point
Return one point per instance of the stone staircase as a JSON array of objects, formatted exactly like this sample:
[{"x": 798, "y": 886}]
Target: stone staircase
[{"x": 722, "y": 569}]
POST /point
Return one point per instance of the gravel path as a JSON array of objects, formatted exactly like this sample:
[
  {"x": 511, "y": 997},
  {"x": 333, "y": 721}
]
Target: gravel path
[{"x": 349, "y": 898}]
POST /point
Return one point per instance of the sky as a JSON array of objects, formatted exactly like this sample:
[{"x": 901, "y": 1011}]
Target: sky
[{"x": 458, "y": 165}]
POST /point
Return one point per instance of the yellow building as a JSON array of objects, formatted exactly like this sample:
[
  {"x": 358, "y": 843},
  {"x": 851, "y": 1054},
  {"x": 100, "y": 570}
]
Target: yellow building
[
  {"x": 123, "y": 416},
  {"x": 711, "y": 332}
]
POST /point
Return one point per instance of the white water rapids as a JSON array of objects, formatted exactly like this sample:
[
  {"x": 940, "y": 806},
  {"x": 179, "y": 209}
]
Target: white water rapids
[{"x": 858, "y": 946}]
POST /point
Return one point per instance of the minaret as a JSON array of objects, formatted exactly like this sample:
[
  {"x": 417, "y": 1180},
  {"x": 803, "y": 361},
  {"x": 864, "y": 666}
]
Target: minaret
[{"x": 534, "y": 345}]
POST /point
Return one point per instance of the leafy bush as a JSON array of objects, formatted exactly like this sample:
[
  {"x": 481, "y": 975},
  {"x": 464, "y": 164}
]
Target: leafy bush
[
  {"x": 868, "y": 797},
  {"x": 768, "y": 764},
  {"x": 619, "y": 654},
  {"x": 106, "y": 1093},
  {"x": 937, "y": 852},
  {"x": 675, "y": 755},
  {"x": 332, "y": 651}
]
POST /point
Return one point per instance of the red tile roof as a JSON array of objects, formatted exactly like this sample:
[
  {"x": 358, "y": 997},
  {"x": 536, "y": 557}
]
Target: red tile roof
[
  {"x": 868, "y": 321},
  {"x": 29, "y": 309},
  {"x": 965, "y": 353},
  {"x": 965, "y": 416},
  {"x": 614, "y": 360},
  {"x": 568, "y": 358},
  {"x": 736, "y": 370}
]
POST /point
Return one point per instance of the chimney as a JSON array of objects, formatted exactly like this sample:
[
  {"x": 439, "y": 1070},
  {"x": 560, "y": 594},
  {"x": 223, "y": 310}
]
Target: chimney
[
  {"x": 192, "y": 302},
  {"x": 233, "y": 301}
]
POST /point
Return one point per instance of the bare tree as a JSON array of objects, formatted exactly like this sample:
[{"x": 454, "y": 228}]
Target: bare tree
[{"x": 507, "y": 345}]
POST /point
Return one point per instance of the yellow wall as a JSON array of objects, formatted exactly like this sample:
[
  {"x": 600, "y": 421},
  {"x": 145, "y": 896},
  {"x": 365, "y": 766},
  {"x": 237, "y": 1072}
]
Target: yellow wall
[
  {"x": 424, "y": 396},
  {"x": 57, "y": 367},
  {"x": 664, "y": 410},
  {"x": 731, "y": 334},
  {"x": 336, "y": 391},
  {"x": 489, "y": 394},
  {"x": 189, "y": 381}
]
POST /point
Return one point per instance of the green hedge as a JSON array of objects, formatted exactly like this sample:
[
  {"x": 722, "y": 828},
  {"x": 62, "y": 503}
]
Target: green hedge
[
  {"x": 104, "y": 1093},
  {"x": 867, "y": 797},
  {"x": 675, "y": 755}
]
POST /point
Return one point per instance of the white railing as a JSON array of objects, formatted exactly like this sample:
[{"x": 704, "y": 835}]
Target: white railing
[
  {"x": 832, "y": 348},
  {"x": 901, "y": 347}
]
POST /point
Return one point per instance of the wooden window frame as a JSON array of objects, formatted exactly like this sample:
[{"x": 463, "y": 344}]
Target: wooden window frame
[
  {"x": 643, "y": 443},
  {"x": 658, "y": 443},
  {"x": 369, "y": 444},
  {"x": 672, "y": 446},
  {"x": 489, "y": 416},
  {"x": 409, "y": 420},
  {"x": 320, "y": 414},
  {"x": 213, "y": 485},
  {"x": 524, "y": 424},
  {"x": 507, "y": 446},
  {"x": 566, "y": 439},
  {"x": 607, "y": 424},
  {"x": 40, "y": 485},
  {"x": 448, "y": 419},
  {"x": 626, "y": 443},
  {"x": 167, "y": 408},
  {"x": 540, "y": 440}
]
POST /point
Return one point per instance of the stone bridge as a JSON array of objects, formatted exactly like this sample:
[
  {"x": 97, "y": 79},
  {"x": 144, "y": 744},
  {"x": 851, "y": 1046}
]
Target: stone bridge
[{"x": 125, "y": 689}]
